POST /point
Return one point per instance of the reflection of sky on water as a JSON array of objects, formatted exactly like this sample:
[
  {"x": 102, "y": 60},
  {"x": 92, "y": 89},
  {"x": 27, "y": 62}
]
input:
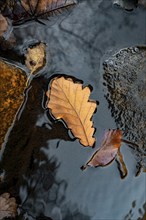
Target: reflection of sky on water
[{"x": 98, "y": 192}]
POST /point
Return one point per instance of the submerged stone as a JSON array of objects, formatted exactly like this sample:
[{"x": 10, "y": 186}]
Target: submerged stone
[
  {"x": 125, "y": 81},
  {"x": 12, "y": 84}
]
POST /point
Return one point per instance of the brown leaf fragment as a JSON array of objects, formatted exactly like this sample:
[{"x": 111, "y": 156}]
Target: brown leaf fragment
[
  {"x": 3, "y": 25},
  {"x": 40, "y": 7},
  {"x": 12, "y": 85},
  {"x": 70, "y": 101},
  {"x": 8, "y": 206},
  {"x": 36, "y": 58},
  {"x": 108, "y": 150}
]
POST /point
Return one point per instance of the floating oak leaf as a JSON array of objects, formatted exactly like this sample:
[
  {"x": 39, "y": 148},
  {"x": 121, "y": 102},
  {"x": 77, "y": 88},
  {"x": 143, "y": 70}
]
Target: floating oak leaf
[
  {"x": 108, "y": 150},
  {"x": 12, "y": 85},
  {"x": 8, "y": 206},
  {"x": 36, "y": 57},
  {"x": 70, "y": 101}
]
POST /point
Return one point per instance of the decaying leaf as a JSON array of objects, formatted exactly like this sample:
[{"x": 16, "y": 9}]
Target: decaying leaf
[
  {"x": 22, "y": 11},
  {"x": 108, "y": 150},
  {"x": 39, "y": 7},
  {"x": 8, "y": 206},
  {"x": 36, "y": 57},
  {"x": 12, "y": 85},
  {"x": 70, "y": 101}
]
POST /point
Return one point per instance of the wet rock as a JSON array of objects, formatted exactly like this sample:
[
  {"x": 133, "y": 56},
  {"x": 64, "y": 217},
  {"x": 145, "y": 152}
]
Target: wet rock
[
  {"x": 125, "y": 81},
  {"x": 13, "y": 82}
]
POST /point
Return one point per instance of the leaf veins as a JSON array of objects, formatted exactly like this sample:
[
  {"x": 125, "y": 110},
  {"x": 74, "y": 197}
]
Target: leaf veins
[
  {"x": 70, "y": 101},
  {"x": 41, "y": 7}
]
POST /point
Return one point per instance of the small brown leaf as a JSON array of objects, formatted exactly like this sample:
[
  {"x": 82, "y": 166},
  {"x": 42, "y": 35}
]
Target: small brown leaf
[
  {"x": 36, "y": 57},
  {"x": 108, "y": 151},
  {"x": 8, "y": 206},
  {"x": 70, "y": 101}
]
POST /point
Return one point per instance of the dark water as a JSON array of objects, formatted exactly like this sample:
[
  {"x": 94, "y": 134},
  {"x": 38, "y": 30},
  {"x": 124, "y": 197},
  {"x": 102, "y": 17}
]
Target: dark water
[{"x": 41, "y": 161}]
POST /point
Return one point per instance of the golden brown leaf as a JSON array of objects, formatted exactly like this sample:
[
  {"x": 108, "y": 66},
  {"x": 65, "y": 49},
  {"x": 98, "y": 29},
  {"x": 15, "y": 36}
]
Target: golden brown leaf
[
  {"x": 36, "y": 57},
  {"x": 108, "y": 150},
  {"x": 8, "y": 206},
  {"x": 70, "y": 101},
  {"x": 12, "y": 85}
]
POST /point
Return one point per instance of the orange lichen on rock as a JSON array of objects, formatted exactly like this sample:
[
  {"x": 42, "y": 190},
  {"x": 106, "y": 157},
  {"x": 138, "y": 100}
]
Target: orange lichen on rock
[{"x": 12, "y": 85}]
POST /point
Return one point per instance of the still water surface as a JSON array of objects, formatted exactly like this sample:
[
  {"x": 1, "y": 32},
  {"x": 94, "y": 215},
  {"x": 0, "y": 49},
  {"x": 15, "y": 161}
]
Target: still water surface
[{"x": 41, "y": 159}]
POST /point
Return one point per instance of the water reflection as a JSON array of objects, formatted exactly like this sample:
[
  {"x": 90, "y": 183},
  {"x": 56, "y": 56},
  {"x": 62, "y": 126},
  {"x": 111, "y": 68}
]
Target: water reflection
[
  {"x": 30, "y": 175},
  {"x": 142, "y": 212},
  {"x": 37, "y": 170}
]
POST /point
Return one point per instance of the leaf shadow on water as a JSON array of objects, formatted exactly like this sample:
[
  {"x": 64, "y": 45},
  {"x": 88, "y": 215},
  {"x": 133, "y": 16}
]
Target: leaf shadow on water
[{"x": 29, "y": 175}]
